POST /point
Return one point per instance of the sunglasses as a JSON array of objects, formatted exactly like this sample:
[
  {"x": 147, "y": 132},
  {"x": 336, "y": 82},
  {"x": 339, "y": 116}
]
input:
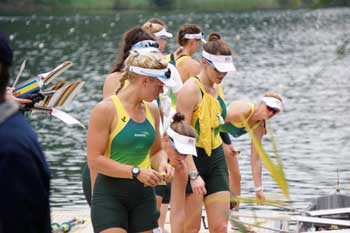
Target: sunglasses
[
  {"x": 213, "y": 66},
  {"x": 173, "y": 144},
  {"x": 163, "y": 37},
  {"x": 274, "y": 110}
]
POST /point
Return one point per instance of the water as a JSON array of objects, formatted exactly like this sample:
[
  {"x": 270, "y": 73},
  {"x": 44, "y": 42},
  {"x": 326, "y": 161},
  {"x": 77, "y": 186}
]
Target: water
[{"x": 304, "y": 55}]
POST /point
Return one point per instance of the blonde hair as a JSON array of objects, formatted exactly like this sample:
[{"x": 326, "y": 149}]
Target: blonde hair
[
  {"x": 152, "y": 28},
  {"x": 273, "y": 94},
  {"x": 149, "y": 60}
]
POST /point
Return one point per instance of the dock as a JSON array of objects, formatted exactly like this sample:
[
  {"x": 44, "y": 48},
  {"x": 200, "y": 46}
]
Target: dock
[{"x": 62, "y": 215}]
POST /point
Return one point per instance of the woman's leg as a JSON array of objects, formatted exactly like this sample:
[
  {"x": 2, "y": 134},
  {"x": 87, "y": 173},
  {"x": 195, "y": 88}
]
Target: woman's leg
[
  {"x": 114, "y": 230},
  {"x": 233, "y": 171},
  {"x": 218, "y": 210},
  {"x": 194, "y": 204},
  {"x": 163, "y": 212},
  {"x": 177, "y": 201}
]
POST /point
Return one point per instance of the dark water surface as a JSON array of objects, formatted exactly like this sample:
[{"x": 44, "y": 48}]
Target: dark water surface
[{"x": 304, "y": 55}]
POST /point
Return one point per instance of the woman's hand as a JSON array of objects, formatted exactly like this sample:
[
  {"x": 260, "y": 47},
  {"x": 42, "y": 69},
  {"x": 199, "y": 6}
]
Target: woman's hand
[
  {"x": 167, "y": 172},
  {"x": 260, "y": 197},
  {"x": 149, "y": 177},
  {"x": 198, "y": 186},
  {"x": 20, "y": 102}
]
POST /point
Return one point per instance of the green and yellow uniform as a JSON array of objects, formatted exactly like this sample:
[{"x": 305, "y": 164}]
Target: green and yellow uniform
[
  {"x": 119, "y": 202},
  {"x": 210, "y": 162},
  {"x": 236, "y": 129}
]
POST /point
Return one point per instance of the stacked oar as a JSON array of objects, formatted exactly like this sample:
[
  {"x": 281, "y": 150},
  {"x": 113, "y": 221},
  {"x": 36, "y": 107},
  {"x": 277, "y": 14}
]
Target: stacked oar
[{"x": 66, "y": 227}]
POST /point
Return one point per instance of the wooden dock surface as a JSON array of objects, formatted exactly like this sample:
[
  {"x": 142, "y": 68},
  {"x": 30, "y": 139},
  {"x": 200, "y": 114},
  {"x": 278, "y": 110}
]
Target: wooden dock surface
[{"x": 62, "y": 215}]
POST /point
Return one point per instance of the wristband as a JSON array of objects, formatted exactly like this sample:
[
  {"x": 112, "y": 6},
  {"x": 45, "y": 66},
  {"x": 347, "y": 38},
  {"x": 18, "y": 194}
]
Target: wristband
[{"x": 259, "y": 189}]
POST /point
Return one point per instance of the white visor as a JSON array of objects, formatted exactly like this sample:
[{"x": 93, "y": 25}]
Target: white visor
[
  {"x": 197, "y": 36},
  {"x": 221, "y": 62},
  {"x": 183, "y": 144},
  {"x": 164, "y": 75},
  {"x": 163, "y": 33},
  {"x": 273, "y": 102},
  {"x": 146, "y": 46}
]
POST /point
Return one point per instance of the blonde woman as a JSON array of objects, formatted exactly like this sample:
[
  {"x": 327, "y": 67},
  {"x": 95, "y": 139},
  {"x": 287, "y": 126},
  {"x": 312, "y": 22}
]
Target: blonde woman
[
  {"x": 241, "y": 117},
  {"x": 204, "y": 109},
  {"x": 134, "y": 39},
  {"x": 124, "y": 149},
  {"x": 158, "y": 28}
]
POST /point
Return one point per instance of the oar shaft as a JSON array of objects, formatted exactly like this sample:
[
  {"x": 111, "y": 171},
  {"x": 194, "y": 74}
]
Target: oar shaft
[{"x": 263, "y": 227}]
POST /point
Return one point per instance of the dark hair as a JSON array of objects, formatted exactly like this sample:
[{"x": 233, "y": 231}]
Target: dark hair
[
  {"x": 187, "y": 29},
  {"x": 131, "y": 37},
  {"x": 6, "y": 57},
  {"x": 179, "y": 126},
  {"x": 4, "y": 79},
  {"x": 157, "y": 21},
  {"x": 216, "y": 45}
]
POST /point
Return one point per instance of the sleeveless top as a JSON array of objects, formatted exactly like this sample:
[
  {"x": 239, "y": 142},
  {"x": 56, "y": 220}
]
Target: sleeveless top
[
  {"x": 207, "y": 119},
  {"x": 130, "y": 141},
  {"x": 236, "y": 129},
  {"x": 171, "y": 59}
]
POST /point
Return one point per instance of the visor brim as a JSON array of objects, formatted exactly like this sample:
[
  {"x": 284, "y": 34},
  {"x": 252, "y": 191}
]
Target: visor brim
[
  {"x": 186, "y": 149},
  {"x": 167, "y": 34},
  {"x": 169, "y": 82},
  {"x": 224, "y": 67},
  {"x": 273, "y": 103}
]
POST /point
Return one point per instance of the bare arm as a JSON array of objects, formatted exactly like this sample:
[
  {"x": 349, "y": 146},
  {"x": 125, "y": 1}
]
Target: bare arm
[
  {"x": 256, "y": 164},
  {"x": 189, "y": 98},
  {"x": 159, "y": 159}
]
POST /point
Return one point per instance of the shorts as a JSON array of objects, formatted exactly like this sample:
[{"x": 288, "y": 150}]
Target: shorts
[
  {"x": 225, "y": 138},
  {"x": 86, "y": 184},
  {"x": 123, "y": 203},
  {"x": 213, "y": 170},
  {"x": 164, "y": 192}
]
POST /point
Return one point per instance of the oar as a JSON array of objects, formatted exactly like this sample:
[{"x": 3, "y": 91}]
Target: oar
[
  {"x": 292, "y": 209},
  {"x": 262, "y": 227},
  {"x": 20, "y": 73},
  {"x": 66, "y": 226}
]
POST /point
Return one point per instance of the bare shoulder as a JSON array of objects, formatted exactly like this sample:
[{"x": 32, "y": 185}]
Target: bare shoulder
[
  {"x": 190, "y": 86},
  {"x": 238, "y": 108},
  {"x": 104, "y": 109},
  {"x": 111, "y": 84},
  {"x": 193, "y": 62},
  {"x": 192, "y": 66},
  {"x": 113, "y": 77}
]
